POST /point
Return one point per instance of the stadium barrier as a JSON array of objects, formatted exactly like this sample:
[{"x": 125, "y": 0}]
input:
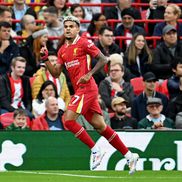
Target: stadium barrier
[{"x": 55, "y": 150}]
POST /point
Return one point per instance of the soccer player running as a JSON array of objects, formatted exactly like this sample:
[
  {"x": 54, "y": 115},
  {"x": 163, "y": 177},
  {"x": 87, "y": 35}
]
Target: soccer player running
[{"x": 75, "y": 55}]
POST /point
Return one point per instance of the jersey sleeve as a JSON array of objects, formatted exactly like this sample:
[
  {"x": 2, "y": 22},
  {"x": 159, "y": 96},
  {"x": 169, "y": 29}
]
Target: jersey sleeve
[{"x": 90, "y": 48}]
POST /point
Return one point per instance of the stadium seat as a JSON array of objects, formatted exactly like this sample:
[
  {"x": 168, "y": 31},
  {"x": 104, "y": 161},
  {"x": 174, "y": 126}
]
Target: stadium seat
[
  {"x": 137, "y": 84},
  {"x": 162, "y": 88}
]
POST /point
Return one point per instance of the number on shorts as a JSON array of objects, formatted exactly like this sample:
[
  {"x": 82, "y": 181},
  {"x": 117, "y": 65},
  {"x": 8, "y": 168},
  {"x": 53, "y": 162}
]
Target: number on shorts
[{"x": 76, "y": 99}]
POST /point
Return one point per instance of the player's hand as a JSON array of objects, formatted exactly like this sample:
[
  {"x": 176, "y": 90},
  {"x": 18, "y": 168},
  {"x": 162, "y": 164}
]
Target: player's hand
[
  {"x": 85, "y": 78},
  {"x": 44, "y": 54}
]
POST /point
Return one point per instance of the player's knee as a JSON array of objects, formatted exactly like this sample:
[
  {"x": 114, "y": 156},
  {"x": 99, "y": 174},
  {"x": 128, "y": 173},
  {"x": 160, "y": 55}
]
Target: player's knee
[{"x": 100, "y": 128}]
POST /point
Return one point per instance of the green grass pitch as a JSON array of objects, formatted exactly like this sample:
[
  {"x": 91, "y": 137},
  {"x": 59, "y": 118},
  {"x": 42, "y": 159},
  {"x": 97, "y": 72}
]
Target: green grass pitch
[{"x": 90, "y": 176}]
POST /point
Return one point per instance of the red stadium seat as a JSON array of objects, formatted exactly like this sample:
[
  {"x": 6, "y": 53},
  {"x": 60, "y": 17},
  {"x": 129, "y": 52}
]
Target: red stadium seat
[
  {"x": 162, "y": 88},
  {"x": 137, "y": 84}
]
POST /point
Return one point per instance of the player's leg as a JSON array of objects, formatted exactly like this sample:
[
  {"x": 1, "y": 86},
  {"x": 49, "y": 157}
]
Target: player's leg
[
  {"x": 98, "y": 123},
  {"x": 79, "y": 132}
]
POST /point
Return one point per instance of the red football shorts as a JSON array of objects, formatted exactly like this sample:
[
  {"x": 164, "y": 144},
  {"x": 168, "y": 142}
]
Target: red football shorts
[{"x": 85, "y": 103}]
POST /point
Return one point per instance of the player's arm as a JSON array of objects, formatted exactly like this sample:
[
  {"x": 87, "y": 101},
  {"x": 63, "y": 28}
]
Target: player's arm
[
  {"x": 54, "y": 70},
  {"x": 101, "y": 61}
]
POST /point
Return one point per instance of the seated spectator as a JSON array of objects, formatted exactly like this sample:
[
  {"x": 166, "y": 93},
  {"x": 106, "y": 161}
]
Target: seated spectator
[
  {"x": 115, "y": 85},
  {"x": 106, "y": 42},
  {"x": 31, "y": 50},
  {"x": 107, "y": 46},
  {"x": 83, "y": 122},
  {"x": 138, "y": 109},
  {"x": 15, "y": 88},
  {"x": 121, "y": 118},
  {"x": 43, "y": 74},
  {"x": 6, "y": 15},
  {"x": 171, "y": 16},
  {"x": 98, "y": 20},
  {"x": 155, "y": 11},
  {"x": 51, "y": 119},
  {"x": 155, "y": 120},
  {"x": 78, "y": 11},
  {"x": 138, "y": 57},
  {"x": 60, "y": 5},
  {"x": 53, "y": 24},
  {"x": 175, "y": 104},
  {"x": 89, "y": 10},
  {"x": 8, "y": 48},
  {"x": 20, "y": 121},
  {"x": 19, "y": 9},
  {"x": 127, "y": 28},
  {"x": 118, "y": 58},
  {"x": 114, "y": 12},
  {"x": 28, "y": 25},
  {"x": 164, "y": 53},
  {"x": 173, "y": 82},
  {"x": 48, "y": 89}
]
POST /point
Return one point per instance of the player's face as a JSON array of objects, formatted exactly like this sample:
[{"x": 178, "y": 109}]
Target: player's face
[{"x": 71, "y": 30}]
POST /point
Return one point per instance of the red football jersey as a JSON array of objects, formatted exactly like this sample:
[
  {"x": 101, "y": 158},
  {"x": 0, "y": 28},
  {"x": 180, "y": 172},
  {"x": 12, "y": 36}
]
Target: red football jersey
[{"x": 77, "y": 60}]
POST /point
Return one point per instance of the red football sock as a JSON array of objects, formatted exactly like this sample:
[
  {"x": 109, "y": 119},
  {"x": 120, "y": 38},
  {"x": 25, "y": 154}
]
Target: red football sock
[
  {"x": 114, "y": 140},
  {"x": 79, "y": 132}
]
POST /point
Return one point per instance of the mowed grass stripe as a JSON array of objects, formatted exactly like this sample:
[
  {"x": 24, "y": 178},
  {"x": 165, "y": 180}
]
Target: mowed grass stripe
[{"x": 90, "y": 176}]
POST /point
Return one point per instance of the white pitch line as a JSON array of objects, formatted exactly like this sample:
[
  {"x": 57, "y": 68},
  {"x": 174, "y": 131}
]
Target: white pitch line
[{"x": 92, "y": 176}]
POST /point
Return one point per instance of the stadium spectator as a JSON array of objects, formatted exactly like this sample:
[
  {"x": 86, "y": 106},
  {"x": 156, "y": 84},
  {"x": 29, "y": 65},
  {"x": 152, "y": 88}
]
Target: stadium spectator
[
  {"x": 165, "y": 52},
  {"x": 31, "y": 50},
  {"x": 106, "y": 42},
  {"x": 51, "y": 119},
  {"x": 8, "y": 48},
  {"x": 138, "y": 56},
  {"x": 19, "y": 121},
  {"x": 6, "y": 15},
  {"x": 60, "y": 5},
  {"x": 171, "y": 16},
  {"x": 98, "y": 21},
  {"x": 114, "y": 85},
  {"x": 175, "y": 104},
  {"x": 155, "y": 120},
  {"x": 138, "y": 109},
  {"x": 47, "y": 89},
  {"x": 89, "y": 10},
  {"x": 15, "y": 88},
  {"x": 53, "y": 24},
  {"x": 121, "y": 118},
  {"x": 116, "y": 11},
  {"x": 127, "y": 28},
  {"x": 107, "y": 46},
  {"x": 19, "y": 9},
  {"x": 43, "y": 74},
  {"x": 73, "y": 54},
  {"x": 155, "y": 11},
  {"x": 28, "y": 25},
  {"x": 173, "y": 84},
  {"x": 78, "y": 11}
]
